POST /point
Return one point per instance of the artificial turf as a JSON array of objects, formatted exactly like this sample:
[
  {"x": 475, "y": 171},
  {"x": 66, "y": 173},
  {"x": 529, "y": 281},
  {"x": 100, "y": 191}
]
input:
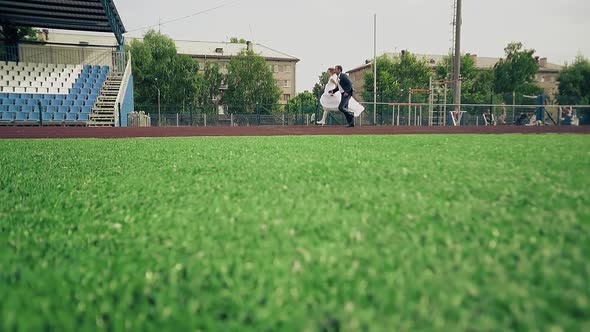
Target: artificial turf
[{"x": 396, "y": 233}]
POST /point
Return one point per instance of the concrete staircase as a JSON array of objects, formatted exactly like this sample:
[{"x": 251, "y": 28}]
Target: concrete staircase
[{"x": 104, "y": 110}]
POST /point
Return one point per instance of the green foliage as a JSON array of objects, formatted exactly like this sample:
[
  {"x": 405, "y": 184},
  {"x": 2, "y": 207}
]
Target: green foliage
[
  {"x": 303, "y": 102},
  {"x": 516, "y": 72},
  {"x": 212, "y": 79},
  {"x": 395, "y": 78},
  {"x": 318, "y": 88},
  {"x": 12, "y": 34},
  {"x": 477, "y": 85},
  {"x": 250, "y": 82},
  {"x": 439, "y": 233},
  {"x": 574, "y": 83},
  {"x": 156, "y": 64},
  {"x": 236, "y": 40}
]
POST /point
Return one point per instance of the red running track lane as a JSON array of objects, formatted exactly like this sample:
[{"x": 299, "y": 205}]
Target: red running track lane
[{"x": 83, "y": 132}]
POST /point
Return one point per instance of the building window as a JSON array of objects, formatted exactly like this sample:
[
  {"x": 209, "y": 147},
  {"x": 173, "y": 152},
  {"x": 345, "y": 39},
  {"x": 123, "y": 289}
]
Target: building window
[
  {"x": 276, "y": 68},
  {"x": 287, "y": 69},
  {"x": 542, "y": 79},
  {"x": 286, "y": 97},
  {"x": 553, "y": 79},
  {"x": 286, "y": 84}
]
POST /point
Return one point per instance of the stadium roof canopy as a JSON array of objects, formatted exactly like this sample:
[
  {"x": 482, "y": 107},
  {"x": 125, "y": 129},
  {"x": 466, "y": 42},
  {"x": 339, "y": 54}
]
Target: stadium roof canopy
[{"x": 86, "y": 15}]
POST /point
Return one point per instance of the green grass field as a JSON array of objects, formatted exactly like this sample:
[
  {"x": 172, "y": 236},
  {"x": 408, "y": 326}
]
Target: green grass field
[{"x": 369, "y": 233}]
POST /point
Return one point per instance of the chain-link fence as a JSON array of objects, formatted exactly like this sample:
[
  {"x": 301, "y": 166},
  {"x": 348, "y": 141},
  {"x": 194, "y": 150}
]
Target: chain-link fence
[{"x": 384, "y": 114}]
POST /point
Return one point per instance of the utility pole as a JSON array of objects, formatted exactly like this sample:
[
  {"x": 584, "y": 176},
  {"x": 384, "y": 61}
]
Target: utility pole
[
  {"x": 457, "y": 59},
  {"x": 375, "y": 73}
]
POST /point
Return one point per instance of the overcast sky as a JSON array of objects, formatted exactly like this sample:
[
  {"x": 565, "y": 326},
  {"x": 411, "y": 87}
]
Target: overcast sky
[{"x": 325, "y": 33}]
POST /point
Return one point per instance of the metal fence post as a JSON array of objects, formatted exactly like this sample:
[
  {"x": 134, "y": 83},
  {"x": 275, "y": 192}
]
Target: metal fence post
[
  {"x": 119, "y": 111},
  {"x": 40, "y": 114}
]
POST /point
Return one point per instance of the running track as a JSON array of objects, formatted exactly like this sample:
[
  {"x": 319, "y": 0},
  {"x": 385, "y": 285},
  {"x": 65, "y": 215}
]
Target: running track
[{"x": 83, "y": 132}]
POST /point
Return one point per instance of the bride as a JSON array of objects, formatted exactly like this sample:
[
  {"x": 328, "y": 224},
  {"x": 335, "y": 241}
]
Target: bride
[{"x": 330, "y": 102}]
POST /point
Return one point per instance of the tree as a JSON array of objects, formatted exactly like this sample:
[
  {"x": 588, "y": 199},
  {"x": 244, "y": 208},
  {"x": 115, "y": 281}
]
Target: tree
[
  {"x": 477, "y": 85},
  {"x": 305, "y": 101},
  {"x": 517, "y": 72},
  {"x": 12, "y": 34},
  {"x": 318, "y": 88},
  {"x": 395, "y": 78},
  {"x": 156, "y": 65},
  {"x": 250, "y": 83},
  {"x": 574, "y": 83},
  {"x": 212, "y": 80},
  {"x": 235, "y": 40}
]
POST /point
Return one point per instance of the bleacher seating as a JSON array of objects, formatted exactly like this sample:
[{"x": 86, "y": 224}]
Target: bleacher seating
[{"x": 64, "y": 93}]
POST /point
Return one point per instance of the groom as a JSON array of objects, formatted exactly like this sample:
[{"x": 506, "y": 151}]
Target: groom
[{"x": 345, "y": 86}]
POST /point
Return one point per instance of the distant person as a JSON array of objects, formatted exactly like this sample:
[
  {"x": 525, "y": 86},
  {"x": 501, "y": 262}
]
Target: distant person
[
  {"x": 488, "y": 118},
  {"x": 522, "y": 119},
  {"x": 345, "y": 87},
  {"x": 330, "y": 101},
  {"x": 502, "y": 117},
  {"x": 567, "y": 117}
]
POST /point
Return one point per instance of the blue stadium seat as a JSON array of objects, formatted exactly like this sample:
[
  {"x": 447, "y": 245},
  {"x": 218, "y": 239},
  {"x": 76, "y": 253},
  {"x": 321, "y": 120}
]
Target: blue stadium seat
[
  {"x": 7, "y": 116},
  {"x": 75, "y": 91},
  {"x": 55, "y": 102},
  {"x": 78, "y": 85},
  {"x": 26, "y": 108},
  {"x": 32, "y": 101},
  {"x": 59, "y": 117},
  {"x": 33, "y": 116},
  {"x": 87, "y": 109},
  {"x": 76, "y": 109},
  {"x": 95, "y": 90},
  {"x": 64, "y": 109},
  {"x": 93, "y": 96},
  {"x": 44, "y": 102},
  {"x": 71, "y": 97},
  {"x": 82, "y": 97},
  {"x": 85, "y": 91},
  {"x": 60, "y": 97},
  {"x": 48, "y": 97},
  {"x": 7, "y": 101},
  {"x": 35, "y": 108},
  {"x": 13, "y": 108},
  {"x": 47, "y": 116},
  {"x": 3, "y": 95},
  {"x": 51, "y": 109},
  {"x": 21, "y": 116},
  {"x": 83, "y": 117},
  {"x": 20, "y": 102},
  {"x": 72, "y": 117},
  {"x": 3, "y": 108},
  {"x": 13, "y": 95},
  {"x": 68, "y": 103},
  {"x": 89, "y": 102},
  {"x": 26, "y": 95},
  {"x": 79, "y": 102}
]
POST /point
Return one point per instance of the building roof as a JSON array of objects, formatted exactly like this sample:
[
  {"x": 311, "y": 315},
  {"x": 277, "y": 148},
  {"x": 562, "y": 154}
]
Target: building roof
[
  {"x": 188, "y": 47},
  {"x": 88, "y": 15},
  {"x": 480, "y": 62},
  {"x": 216, "y": 49}
]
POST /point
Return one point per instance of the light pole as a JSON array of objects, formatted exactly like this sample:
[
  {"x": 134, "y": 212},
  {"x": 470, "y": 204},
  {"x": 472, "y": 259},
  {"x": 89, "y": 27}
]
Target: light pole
[
  {"x": 159, "y": 115},
  {"x": 457, "y": 59}
]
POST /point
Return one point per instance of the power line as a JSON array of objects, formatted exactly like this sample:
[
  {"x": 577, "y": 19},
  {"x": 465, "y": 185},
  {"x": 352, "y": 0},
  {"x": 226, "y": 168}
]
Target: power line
[{"x": 185, "y": 17}]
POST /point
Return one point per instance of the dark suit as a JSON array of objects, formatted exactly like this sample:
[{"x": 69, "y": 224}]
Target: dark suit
[{"x": 347, "y": 92}]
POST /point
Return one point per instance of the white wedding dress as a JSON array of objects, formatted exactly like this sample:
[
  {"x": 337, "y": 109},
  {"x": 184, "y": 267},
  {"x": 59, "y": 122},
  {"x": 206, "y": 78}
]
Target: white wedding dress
[{"x": 330, "y": 102}]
